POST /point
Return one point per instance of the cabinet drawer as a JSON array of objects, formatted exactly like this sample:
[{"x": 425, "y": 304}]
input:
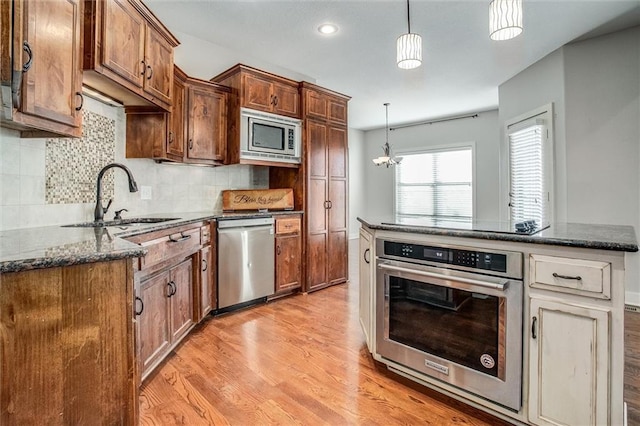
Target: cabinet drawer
[
  {"x": 585, "y": 277},
  {"x": 287, "y": 225},
  {"x": 169, "y": 246}
]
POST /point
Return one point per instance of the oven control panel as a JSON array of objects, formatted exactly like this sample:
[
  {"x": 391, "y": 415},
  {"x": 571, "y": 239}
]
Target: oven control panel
[{"x": 452, "y": 256}]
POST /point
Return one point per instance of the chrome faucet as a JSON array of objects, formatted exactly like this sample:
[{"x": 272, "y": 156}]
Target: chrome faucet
[{"x": 100, "y": 210}]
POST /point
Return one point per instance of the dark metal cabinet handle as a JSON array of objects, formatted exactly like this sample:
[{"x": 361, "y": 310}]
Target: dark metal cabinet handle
[
  {"x": 172, "y": 288},
  {"x": 330, "y": 204},
  {"x": 170, "y": 137},
  {"x": 190, "y": 143},
  {"x": 205, "y": 265},
  {"x": 364, "y": 256},
  {"x": 275, "y": 101},
  {"x": 326, "y": 205},
  {"x": 79, "y": 107},
  {"x": 139, "y": 312},
  {"x": 567, "y": 277},
  {"x": 144, "y": 68},
  {"x": 278, "y": 250},
  {"x": 27, "y": 48},
  {"x": 150, "y": 72},
  {"x": 182, "y": 238},
  {"x": 534, "y": 331}
]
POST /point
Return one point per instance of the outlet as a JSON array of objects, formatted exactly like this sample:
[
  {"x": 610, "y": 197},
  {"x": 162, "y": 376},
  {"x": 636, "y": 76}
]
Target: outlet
[{"x": 145, "y": 192}]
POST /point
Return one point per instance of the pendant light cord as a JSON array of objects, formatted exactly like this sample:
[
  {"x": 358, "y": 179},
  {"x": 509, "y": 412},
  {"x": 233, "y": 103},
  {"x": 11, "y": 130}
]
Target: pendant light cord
[
  {"x": 386, "y": 142},
  {"x": 408, "y": 18}
]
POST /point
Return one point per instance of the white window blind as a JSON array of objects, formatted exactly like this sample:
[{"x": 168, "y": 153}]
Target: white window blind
[
  {"x": 436, "y": 184},
  {"x": 529, "y": 192}
]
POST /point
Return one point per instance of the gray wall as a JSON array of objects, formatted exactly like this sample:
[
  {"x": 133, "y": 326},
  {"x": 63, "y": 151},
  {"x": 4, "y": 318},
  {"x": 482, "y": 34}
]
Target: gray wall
[
  {"x": 482, "y": 131},
  {"x": 595, "y": 87}
]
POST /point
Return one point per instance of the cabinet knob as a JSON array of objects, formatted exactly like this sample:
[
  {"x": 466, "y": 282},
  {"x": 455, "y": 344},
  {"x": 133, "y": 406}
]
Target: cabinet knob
[{"x": 139, "y": 312}]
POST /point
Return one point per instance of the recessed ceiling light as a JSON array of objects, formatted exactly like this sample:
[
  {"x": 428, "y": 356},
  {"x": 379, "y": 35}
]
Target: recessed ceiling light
[{"x": 328, "y": 29}]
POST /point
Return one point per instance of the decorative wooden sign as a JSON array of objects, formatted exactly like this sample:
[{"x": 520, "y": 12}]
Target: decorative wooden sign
[{"x": 257, "y": 199}]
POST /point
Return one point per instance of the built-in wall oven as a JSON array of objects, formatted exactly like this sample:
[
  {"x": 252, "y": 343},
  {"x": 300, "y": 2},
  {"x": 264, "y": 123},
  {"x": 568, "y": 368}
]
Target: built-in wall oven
[{"x": 452, "y": 313}]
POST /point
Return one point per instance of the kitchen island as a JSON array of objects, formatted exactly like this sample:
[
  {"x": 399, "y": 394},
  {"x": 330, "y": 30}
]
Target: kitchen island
[
  {"x": 70, "y": 313},
  {"x": 528, "y": 327}
]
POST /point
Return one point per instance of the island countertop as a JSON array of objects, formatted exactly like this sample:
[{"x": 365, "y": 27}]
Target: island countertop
[
  {"x": 53, "y": 246},
  {"x": 593, "y": 236}
]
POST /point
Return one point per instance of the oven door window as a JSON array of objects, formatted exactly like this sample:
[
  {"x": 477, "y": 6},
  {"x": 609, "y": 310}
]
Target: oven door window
[
  {"x": 269, "y": 137},
  {"x": 459, "y": 326}
]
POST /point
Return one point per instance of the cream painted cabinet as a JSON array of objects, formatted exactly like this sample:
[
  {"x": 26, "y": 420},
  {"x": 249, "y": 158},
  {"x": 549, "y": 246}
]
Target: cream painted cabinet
[
  {"x": 576, "y": 353},
  {"x": 367, "y": 286},
  {"x": 569, "y": 364}
]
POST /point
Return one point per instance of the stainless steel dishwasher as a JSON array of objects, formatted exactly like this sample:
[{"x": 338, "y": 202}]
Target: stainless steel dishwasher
[{"x": 245, "y": 261}]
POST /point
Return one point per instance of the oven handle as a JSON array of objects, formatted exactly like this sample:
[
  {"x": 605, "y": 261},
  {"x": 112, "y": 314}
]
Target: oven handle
[{"x": 485, "y": 284}]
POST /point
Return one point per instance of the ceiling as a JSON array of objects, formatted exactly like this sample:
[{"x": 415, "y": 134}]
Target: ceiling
[{"x": 461, "y": 71}]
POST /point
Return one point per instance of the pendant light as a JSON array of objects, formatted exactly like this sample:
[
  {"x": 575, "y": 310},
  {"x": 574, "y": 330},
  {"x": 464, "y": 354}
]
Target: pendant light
[
  {"x": 505, "y": 19},
  {"x": 409, "y": 47},
  {"x": 387, "y": 159}
]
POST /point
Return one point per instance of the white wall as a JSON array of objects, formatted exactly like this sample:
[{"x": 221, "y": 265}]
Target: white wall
[
  {"x": 174, "y": 188},
  {"x": 357, "y": 182},
  {"x": 483, "y": 131},
  {"x": 595, "y": 87}
]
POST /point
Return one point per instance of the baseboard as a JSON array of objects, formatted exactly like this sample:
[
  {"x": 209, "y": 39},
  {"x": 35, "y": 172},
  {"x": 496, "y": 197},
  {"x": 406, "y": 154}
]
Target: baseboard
[
  {"x": 625, "y": 414},
  {"x": 632, "y": 298}
]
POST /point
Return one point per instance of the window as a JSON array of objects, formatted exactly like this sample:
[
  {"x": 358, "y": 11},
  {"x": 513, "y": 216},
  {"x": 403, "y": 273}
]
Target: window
[
  {"x": 530, "y": 165},
  {"x": 436, "y": 184}
]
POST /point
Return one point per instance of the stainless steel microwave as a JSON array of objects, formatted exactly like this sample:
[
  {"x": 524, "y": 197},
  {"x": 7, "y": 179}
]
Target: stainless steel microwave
[{"x": 269, "y": 137}]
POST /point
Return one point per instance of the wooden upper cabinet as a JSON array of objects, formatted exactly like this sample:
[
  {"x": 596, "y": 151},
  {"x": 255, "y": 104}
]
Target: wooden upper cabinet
[
  {"x": 176, "y": 135},
  {"x": 262, "y": 91},
  {"x": 324, "y": 106},
  {"x": 206, "y": 122},
  {"x": 128, "y": 53},
  {"x": 46, "y": 39}
]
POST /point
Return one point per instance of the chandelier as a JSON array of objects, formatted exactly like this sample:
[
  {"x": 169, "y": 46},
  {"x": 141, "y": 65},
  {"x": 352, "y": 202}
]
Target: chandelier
[{"x": 387, "y": 159}]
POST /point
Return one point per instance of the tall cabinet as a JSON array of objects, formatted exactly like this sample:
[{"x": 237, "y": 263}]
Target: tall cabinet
[{"x": 320, "y": 186}]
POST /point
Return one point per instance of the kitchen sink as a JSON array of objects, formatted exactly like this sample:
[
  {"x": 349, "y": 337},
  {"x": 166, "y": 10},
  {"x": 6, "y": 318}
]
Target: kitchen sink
[{"x": 123, "y": 222}]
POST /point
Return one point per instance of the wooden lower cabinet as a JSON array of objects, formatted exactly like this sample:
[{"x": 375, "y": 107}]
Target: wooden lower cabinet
[
  {"x": 288, "y": 255},
  {"x": 67, "y": 346},
  {"x": 569, "y": 364},
  {"x": 166, "y": 315},
  {"x": 208, "y": 288}
]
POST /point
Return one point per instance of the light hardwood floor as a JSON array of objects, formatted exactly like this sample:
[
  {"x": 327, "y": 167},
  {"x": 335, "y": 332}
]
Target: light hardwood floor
[{"x": 303, "y": 360}]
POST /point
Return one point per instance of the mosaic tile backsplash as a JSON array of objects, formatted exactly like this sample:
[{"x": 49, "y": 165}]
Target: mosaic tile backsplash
[{"x": 72, "y": 164}]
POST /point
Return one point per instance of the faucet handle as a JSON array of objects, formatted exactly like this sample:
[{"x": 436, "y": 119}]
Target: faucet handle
[{"x": 118, "y": 214}]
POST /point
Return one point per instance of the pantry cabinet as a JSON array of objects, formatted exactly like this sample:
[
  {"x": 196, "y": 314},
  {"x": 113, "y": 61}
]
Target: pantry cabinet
[
  {"x": 42, "y": 81},
  {"x": 128, "y": 53},
  {"x": 320, "y": 188}
]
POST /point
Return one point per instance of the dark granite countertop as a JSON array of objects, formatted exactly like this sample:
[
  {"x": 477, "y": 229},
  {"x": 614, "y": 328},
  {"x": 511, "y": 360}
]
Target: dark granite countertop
[
  {"x": 594, "y": 236},
  {"x": 53, "y": 246}
]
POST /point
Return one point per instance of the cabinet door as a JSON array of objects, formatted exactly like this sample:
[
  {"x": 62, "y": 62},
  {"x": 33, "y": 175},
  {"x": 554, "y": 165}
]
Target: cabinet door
[
  {"x": 181, "y": 299},
  {"x": 153, "y": 322},
  {"x": 257, "y": 93},
  {"x": 288, "y": 249},
  {"x": 123, "y": 41},
  {"x": 337, "y": 182},
  {"x": 206, "y": 124},
  {"x": 285, "y": 100},
  {"x": 158, "y": 78},
  {"x": 317, "y": 205},
  {"x": 366, "y": 287},
  {"x": 52, "y": 86},
  {"x": 206, "y": 281},
  {"x": 568, "y": 364},
  {"x": 175, "y": 138}
]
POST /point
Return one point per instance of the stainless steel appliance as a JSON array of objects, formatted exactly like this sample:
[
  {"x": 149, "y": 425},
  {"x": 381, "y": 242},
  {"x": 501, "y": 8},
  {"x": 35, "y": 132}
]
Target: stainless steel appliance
[
  {"x": 452, "y": 313},
  {"x": 245, "y": 261},
  {"x": 269, "y": 137}
]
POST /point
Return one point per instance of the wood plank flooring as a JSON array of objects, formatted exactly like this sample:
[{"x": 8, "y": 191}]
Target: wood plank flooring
[{"x": 303, "y": 360}]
